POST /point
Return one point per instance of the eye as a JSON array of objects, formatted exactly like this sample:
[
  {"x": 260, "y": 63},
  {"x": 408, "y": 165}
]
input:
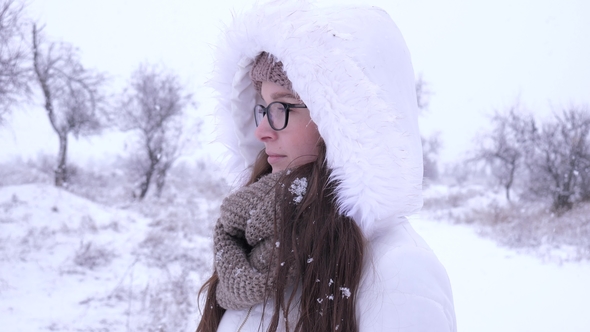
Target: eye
[{"x": 280, "y": 107}]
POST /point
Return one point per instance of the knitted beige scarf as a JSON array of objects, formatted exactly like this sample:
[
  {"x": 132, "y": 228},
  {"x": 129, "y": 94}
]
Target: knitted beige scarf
[{"x": 244, "y": 245}]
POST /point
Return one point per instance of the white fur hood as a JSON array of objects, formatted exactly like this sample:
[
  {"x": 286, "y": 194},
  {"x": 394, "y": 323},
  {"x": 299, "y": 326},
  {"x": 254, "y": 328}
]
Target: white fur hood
[{"x": 351, "y": 67}]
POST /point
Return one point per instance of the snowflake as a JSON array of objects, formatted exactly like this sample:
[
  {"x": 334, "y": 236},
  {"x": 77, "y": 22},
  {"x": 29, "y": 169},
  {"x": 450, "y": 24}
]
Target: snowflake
[
  {"x": 218, "y": 255},
  {"x": 345, "y": 292},
  {"x": 298, "y": 189}
]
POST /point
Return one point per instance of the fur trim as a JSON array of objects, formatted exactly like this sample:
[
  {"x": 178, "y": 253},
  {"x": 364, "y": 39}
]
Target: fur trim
[{"x": 350, "y": 65}]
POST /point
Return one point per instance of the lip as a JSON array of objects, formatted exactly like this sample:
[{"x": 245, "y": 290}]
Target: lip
[{"x": 274, "y": 158}]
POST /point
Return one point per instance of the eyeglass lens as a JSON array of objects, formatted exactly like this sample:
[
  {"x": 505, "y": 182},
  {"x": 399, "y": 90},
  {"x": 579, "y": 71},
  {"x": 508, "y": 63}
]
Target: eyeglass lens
[{"x": 276, "y": 114}]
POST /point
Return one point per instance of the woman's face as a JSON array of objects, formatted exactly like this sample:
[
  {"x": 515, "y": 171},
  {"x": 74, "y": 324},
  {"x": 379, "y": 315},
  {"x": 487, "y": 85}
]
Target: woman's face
[{"x": 297, "y": 143}]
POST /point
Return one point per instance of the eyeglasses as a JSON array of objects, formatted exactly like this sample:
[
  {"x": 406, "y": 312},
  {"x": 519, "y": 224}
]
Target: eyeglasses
[{"x": 277, "y": 113}]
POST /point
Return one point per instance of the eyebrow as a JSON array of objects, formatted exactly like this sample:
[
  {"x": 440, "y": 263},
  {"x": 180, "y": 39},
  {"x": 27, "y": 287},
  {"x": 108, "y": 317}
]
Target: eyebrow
[{"x": 279, "y": 95}]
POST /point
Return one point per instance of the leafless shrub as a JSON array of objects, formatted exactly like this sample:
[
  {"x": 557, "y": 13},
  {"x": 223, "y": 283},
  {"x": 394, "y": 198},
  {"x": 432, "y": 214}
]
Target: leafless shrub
[
  {"x": 455, "y": 197},
  {"x": 175, "y": 263},
  {"x": 531, "y": 225},
  {"x": 7, "y": 206},
  {"x": 92, "y": 256},
  {"x": 105, "y": 183},
  {"x": 170, "y": 304},
  {"x": 18, "y": 171},
  {"x": 458, "y": 173},
  {"x": 34, "y": 240},
  {"x": 524, "y": 225},
  {"x": 157, "y": 292}
]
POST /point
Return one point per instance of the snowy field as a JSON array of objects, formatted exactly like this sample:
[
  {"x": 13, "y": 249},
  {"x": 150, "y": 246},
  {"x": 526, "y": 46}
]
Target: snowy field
[
  {"x": 70, "y": 264},
  {"x": 497, "y": 289}
]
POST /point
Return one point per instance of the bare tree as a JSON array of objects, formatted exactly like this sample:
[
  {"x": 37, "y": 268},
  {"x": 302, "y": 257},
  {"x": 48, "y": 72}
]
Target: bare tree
[
  {"x": 14, "y": 73},
  {"x": 552, "y": 158},
  {"x": 560, "y": 158},
  {"x": 430, "y": 146},
  {"x": 504, "y": 148},
  {"x": 72, "y": 94},
  {"x": 430, "y": 150},
  {"x": 153, "y": 106},
  {"x": 423, "y": 93},
  {"x": 584, "y": 175}
]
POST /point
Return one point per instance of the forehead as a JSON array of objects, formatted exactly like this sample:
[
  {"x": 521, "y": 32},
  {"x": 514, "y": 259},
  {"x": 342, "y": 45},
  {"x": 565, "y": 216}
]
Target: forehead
[{"x": 271, "y": 91}]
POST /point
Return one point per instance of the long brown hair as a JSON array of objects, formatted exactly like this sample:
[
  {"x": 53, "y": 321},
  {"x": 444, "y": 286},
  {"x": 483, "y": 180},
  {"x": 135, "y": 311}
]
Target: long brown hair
[{"x": 323, "y": 246}]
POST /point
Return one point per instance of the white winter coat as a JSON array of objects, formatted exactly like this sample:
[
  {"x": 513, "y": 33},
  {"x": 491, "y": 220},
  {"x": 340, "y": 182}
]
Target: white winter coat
[{"x": 351, "y": 67}]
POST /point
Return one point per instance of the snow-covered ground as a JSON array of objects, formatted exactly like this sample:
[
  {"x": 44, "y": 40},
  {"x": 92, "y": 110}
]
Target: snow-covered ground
[
  {"x": 69, "y": 264},
  {"x": 498, "y": 289}
]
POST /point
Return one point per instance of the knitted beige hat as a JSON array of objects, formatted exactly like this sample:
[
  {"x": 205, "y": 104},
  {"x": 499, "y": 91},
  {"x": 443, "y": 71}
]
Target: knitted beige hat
[{"x": 266, "y": 68}]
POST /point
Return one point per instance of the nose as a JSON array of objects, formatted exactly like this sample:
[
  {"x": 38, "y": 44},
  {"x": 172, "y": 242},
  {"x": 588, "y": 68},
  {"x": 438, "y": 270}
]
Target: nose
[{"x": 264, "y": 132}]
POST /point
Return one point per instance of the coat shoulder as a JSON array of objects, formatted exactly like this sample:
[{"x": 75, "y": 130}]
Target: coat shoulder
[{"x": 404, "y": 284}]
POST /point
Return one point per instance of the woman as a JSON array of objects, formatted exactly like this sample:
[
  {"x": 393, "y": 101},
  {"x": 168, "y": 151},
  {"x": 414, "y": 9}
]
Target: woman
[{"x": 317, "y": 239}]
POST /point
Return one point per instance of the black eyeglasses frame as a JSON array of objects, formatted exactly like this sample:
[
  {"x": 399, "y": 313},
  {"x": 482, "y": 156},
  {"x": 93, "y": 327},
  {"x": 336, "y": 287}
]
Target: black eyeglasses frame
[{"x": 258, "y": 108}]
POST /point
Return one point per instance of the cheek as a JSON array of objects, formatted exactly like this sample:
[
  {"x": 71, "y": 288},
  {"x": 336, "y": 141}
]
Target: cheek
[
  {"x": 305, "y": 137},
  {"x": 311, "y": 138}
]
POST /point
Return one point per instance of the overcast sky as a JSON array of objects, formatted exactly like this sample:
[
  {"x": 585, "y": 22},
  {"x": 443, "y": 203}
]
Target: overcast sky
[{"x": 476, "y": 56}]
